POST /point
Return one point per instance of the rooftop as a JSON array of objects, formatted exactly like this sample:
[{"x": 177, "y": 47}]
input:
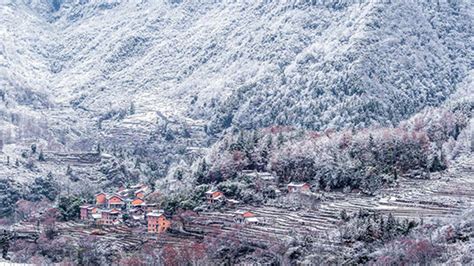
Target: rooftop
[
  {"x": 155, "y": 213},
  {"x": 297, "y": 184}
]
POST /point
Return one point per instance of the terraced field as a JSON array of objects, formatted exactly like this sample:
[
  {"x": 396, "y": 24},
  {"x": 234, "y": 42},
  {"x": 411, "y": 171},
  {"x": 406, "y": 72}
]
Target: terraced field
[{"x": 443, "y": 196}]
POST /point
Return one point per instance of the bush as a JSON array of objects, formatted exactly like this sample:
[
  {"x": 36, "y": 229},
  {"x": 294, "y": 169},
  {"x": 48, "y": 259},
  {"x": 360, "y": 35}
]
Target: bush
[
  {"x": 69, "y": 207},
  {"x": 43, "y": 187}
]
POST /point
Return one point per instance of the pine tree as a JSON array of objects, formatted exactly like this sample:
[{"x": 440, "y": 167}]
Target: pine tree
[
  {"x": 382, "y": 227},
  {"x": 68, "y": 170},
  {"x": 344, "y": 215},
  {"x": 41, "y": 157},
  {"x": 132, "y": 108},
  {"x": 33, "y": 148},
  {"x": 280, "y": 139},
  {"x": 391, "y": 226}
]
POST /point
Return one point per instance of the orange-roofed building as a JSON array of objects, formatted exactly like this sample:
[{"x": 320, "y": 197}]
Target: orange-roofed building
[
  {"x": 248, "y": 214},
  {"x": 241, "y": 215},
  {"x": 138, "y": 202},
  {"x": 115, "y": 201},
  {"x": 214, "y": 195},
  {"x": 157, "y": 222},
  {"x": 101, "y": 199},
  {"x": 301, "y": 187},
  {"x": 140, "y": 194}
]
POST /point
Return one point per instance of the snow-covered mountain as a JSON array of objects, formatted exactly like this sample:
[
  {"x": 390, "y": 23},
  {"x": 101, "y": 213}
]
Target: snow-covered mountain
[{"x": 75, "y": 71}]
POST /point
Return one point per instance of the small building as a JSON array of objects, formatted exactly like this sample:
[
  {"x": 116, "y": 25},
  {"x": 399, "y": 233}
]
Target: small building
[
  {"x": 124, "y": 192},
  {"x": 214, "y": 195},
  {"x": 232, "y": 202},
  {"x": 252, "y": 220},
  {"x": 137, "y": 202},
  {"x": 157, "y": 222},
  {"x": 110, "y": 217},
  {"x": 262, "y": 176},
  {"x": 115, "y": 202},
  {"x": 298, "y": 187},
  {"x": 141, "y": 193},
  {"x": 151, "y": 207},
  {"x": 138, "y": 186},
  {"x": 84, "y": 212},
  {"x": 97, "y": 218},
  {"x": 101, "y": 199},
  {"x": 241, "y": 215}
]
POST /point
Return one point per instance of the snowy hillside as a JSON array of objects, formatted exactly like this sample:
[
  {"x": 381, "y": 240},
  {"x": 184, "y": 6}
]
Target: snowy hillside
[{"x": 73, "y": 70}]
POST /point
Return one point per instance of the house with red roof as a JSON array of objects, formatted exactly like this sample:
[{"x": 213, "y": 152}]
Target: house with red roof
[
  {"x": 115, "y": 201},
  {"x": 213, "y": 195},
  {"x": 298, "y": 187}
]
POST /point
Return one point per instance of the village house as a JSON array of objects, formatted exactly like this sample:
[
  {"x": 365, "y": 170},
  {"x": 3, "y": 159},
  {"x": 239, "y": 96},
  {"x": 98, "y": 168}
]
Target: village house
[
  {"x": 140, "y": 190},
  {"x": 111, "y": 217},
  {"x": 252, "y": 220},
  {"x": 124, "y": 193},
  {"x": 214, "y": 196},
  {"x": 86, "y": 211},
  {"x": 141, "y": 193},
  {"x": 101, "y": 200},
  {"x": 241, "y": 215},
  {"x": 157, "y": 222},
  {"x": 137, "y": 214},
  {"x": 262, "y": 176},
  {"x": 232, "y": 202},
  {"x": 137, "y": 186},
  {"x": 115, "y": 201},
  {"x": 151, "y": 207},
  {"x": 97, "y": 218},
  {"x": 298, "y": 187},
  {"x": 138, "y": 202}
]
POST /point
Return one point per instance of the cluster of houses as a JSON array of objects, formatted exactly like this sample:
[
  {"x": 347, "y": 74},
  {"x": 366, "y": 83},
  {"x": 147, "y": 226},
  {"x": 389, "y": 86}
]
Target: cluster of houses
[
  {"x": 130, "y": 204},
  {"x": 125, "y": 204},
  {"x": 247, "y": 217}
]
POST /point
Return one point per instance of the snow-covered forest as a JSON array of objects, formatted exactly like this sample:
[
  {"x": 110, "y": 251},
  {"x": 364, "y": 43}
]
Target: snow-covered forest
[{"x": 365, "y": 105}]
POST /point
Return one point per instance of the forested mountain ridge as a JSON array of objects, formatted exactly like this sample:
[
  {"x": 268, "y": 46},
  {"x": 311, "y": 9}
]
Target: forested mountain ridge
[
  {"x": 259, "y": 132},
  {"x": 158, "y": 77},
  {"x": 318, "y": 66}
]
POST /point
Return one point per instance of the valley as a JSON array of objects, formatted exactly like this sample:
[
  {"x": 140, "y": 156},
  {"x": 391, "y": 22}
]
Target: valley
[
  {"x": 265, "y": 132},
  {"x": 441, "y": 199}
]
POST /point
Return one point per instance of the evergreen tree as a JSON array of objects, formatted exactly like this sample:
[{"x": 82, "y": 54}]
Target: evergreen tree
[
  {"x": 69, "y": 170},
  {"x": 41, "y": 156},
  {"x": 201, "y": 174},
  {"x": 391, "y": 226},
  {"x": 33, "y": 148},
  {"x": 69, "y": 207},
  {"x": 280, "y": 139},
  {"x": 132, "y": 108},
  {"x": 344, "y": 215}
]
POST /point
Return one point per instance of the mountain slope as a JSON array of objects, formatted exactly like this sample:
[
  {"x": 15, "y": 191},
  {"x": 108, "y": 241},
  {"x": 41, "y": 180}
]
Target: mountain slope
[{"x": 73, "y": 70}]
